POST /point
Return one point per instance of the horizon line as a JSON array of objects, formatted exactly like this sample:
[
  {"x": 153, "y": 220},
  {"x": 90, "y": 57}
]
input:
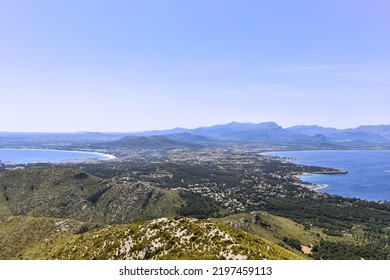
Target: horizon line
[{"x": 204, "y": 126}]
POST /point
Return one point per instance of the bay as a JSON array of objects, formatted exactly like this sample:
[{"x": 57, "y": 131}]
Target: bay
[
  {"x": 368, "y": 171},
  {"x": 23, "y": 156}
]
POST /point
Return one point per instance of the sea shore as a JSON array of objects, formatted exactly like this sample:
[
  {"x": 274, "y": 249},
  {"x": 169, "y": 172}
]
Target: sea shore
[
  {"x": 30, "y": 156},
  {"x": 318, "y": 187}
]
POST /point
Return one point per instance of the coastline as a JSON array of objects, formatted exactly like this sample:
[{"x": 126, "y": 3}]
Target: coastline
[
  {"x": 109, "y": 157},
  {"x": 308, "y": 185},
  {"x": 88, "y": 156},
  {"x": 299, "y": 177},
  {"x": 366, "y": 178},
  {"x": 318, "y": 187}
]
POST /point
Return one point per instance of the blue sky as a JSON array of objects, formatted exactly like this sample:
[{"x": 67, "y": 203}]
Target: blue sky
[{"x": 140, "y": 65}]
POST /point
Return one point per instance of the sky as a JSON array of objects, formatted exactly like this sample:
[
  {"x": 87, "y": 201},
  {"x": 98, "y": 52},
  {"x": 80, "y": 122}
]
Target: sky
[{"x": 123, "y": 66}]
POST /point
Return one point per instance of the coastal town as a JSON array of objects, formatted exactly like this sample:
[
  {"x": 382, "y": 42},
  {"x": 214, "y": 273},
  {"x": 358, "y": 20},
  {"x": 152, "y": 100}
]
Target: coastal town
[{"x": 235, "y": 179}]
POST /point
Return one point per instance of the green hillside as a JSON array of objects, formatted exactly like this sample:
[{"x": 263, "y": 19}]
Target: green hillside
[
  {"x": 71, "y": 193},
  {"x": 164, "y": 238},
  {"x": 24, "y": 237}
]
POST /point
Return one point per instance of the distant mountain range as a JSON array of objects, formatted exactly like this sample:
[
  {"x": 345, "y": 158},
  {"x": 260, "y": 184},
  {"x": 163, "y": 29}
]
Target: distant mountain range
[
  {"x": 267, "y": 132},
  {"x": 234, "y": 132}
]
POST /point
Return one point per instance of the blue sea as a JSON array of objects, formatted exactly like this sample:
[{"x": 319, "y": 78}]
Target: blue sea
[
  {"x": 53, "y": 156},
  {"x": 368, "y": 172}
]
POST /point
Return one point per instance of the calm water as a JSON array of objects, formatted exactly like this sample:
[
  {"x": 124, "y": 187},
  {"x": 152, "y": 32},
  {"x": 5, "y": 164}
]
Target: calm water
[
  {"x": 53, "y": 156},
  {"x": 368, "y": 172}
]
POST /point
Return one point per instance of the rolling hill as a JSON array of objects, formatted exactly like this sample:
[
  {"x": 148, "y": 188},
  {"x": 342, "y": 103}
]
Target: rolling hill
[
  {"x": 71, "y": 193},
  {"x": 164, "y": 238}
]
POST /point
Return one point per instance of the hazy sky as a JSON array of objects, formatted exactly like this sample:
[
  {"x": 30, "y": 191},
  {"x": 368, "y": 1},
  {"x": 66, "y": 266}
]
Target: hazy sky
[{"x": 141, "y": 65}]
